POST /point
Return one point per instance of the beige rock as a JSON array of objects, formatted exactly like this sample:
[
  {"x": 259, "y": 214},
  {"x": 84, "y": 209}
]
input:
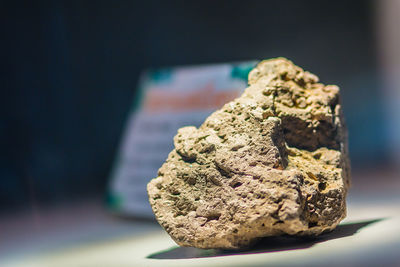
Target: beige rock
[{"x": 271, "y": 162}]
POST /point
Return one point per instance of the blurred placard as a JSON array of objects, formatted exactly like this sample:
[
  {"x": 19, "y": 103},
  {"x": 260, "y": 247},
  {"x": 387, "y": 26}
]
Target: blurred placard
[{"x": 167, "y": 99}]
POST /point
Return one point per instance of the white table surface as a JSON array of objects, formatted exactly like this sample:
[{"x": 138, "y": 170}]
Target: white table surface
[{"x": 86, "y": 235}]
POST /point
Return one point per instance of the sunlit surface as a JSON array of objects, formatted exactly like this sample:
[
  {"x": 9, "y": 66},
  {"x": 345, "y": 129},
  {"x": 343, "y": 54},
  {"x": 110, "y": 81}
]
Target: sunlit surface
[{"x": 369, "y": 236}]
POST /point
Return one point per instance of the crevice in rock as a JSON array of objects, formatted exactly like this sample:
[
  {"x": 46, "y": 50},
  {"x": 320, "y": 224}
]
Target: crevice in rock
[
  {"x": 273, "y": 108},
  {"x": 223, "y": 172},
  {"x": 312, "y": 224},
  {"x": 322, "y": 186},
  {"x": 213, "y": 217},
  {"x": 237, "y": 184},
  {"x": 278, "y": 222},
  {"x": 185, "y": 158}
]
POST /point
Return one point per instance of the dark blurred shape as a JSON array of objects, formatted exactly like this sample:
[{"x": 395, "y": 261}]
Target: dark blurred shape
[
  {"x": 71, "y": 67},
  {"x": 265, "y": 245}
]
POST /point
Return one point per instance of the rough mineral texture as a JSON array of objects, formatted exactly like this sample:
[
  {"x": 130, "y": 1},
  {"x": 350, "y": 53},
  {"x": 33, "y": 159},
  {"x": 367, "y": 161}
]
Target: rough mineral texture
[{"x": 271, "y": 162}]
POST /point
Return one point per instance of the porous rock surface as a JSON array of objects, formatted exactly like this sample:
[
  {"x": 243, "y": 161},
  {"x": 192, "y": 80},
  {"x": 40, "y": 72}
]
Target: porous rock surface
[{"x": 271, "y": 162}]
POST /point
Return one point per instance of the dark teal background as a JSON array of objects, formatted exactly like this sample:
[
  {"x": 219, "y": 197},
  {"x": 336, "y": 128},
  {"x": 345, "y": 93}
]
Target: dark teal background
[{"x": 70, "y": 69}]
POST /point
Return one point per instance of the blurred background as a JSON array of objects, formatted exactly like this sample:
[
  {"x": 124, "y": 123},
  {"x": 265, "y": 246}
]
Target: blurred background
[{"x": 70, "y": 71}]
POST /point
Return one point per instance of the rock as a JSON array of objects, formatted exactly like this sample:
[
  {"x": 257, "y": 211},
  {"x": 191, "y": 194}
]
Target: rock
[{"x": 271, "y": 162}]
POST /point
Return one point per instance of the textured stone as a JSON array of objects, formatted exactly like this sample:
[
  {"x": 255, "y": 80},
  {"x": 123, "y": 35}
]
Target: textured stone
[{"x": 271, "y": 162}]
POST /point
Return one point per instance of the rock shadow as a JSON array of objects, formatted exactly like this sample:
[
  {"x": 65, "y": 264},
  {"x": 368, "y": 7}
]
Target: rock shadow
[{"x": 265, "y": 245}]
